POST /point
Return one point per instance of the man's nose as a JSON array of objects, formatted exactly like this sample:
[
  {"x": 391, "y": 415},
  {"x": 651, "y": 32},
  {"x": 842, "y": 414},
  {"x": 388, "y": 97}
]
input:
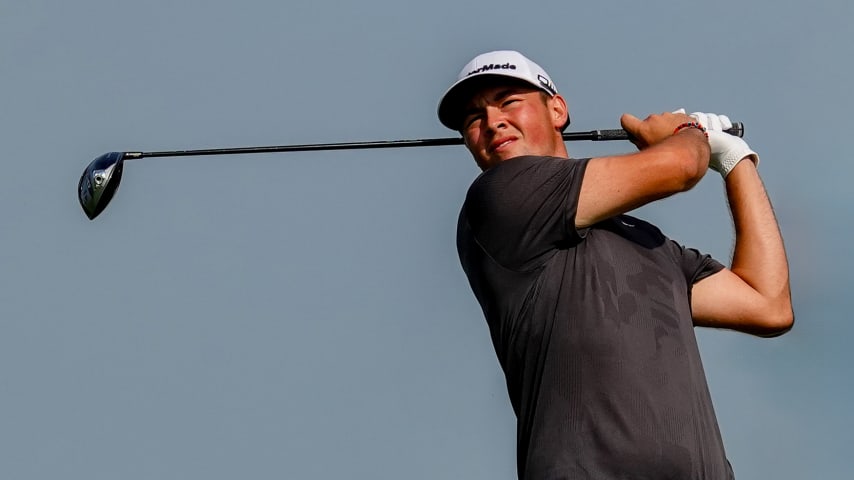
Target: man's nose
[{"x": 495, "y": 118}]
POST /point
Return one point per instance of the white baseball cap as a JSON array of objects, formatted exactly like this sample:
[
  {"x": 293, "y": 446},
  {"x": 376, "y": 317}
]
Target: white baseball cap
[{"x": 500, "y": 63}]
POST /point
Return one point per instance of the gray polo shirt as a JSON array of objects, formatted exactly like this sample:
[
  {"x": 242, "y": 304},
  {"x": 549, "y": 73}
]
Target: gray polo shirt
[{"x": 592, "y": 328}]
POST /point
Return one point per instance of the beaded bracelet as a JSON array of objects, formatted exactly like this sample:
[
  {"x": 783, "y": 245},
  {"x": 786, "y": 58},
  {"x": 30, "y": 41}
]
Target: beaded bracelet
[{"x": 696, "y": 125}]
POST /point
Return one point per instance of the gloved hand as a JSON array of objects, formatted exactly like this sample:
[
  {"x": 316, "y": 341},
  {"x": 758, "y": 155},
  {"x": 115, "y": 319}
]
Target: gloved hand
[{"x": 727, "y": 150}]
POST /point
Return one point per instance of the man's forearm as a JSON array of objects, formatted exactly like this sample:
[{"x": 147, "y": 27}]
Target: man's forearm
[{"x": 759, "y": 256}]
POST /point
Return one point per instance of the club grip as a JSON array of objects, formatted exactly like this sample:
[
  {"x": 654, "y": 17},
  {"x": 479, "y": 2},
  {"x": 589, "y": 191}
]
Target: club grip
[{"x": 737, "y": 130}]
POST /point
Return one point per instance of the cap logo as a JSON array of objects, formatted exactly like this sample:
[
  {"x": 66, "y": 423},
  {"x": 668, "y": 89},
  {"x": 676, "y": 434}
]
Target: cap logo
[
  {"x": 493, "y": 66},
  {"x": 547, "y": 84}
]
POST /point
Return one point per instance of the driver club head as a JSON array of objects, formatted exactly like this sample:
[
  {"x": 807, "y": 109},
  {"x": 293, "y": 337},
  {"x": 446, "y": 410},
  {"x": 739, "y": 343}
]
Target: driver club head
[{"x": 99, "y": 182}]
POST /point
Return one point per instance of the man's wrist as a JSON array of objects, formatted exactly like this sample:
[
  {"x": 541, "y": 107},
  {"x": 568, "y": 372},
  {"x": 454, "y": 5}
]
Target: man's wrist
[{"x": 691, "y": 126}]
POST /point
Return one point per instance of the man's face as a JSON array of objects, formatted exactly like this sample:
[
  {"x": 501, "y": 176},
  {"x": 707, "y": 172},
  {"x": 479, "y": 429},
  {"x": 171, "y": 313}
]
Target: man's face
[{"x": 503, "y": 121}]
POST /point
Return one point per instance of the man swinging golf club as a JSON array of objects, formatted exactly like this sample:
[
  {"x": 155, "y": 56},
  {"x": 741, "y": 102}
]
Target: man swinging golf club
[{"x": 591, "y": 311}]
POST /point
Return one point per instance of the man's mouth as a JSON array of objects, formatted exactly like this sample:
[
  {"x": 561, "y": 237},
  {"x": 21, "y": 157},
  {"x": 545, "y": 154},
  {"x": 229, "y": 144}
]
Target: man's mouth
[{"x": 501, "y": 143}]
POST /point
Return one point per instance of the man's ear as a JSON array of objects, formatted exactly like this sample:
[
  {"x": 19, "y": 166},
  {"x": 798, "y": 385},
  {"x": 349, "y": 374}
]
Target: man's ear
[{"x": 560, "y": 112}]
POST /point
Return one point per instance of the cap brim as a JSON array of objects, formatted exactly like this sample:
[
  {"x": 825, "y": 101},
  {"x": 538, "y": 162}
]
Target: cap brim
[{"x": 453, "y": 103}]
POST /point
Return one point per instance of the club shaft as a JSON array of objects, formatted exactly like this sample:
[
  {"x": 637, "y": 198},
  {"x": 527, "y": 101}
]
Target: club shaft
[{"x": 593, "y": 135}]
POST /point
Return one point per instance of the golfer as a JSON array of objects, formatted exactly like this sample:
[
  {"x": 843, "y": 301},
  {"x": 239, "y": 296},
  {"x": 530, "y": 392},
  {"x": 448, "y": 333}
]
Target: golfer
[{"x": 591, "y": 311}]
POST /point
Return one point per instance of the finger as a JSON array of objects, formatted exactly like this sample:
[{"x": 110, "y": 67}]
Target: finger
[
  {"x": 714, "y": 123},
  {"x": 629, "y": 122},
  {"x": 632, "y": 124},
  {"x": 726, "y": 124},
  {"x": 708, "y": 120}
]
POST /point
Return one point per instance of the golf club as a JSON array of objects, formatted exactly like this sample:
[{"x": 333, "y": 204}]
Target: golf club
[{"x": 101, "y": 178}]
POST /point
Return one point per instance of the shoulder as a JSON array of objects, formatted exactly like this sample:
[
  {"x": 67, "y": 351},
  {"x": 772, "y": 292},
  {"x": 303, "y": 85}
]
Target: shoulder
[
  {"x": 633, "y": 228},
  {"x": 694, "y": 263},
  {"x": 525, "y": 178},
  {"x": 527, "y": 172},
  {"x": 534, "y": 162}
]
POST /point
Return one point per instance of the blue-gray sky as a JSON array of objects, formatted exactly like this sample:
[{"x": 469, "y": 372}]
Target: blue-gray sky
[{"x": 304, "y": 315}]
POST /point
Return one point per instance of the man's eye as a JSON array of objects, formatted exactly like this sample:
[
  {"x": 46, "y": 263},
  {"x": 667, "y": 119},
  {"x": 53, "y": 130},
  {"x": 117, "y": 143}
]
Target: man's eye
[{"x": 509, "y": 101}]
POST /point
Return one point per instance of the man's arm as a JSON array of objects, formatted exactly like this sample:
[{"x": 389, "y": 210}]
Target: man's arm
[
  {"x": 666, "y": 164},
  {"x": 753, "y": 296}
]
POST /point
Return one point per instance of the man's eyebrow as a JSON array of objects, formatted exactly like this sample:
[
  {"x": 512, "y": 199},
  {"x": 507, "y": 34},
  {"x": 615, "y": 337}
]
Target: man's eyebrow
[
  {"x": 471, "y": 106},
  {"x": 506, "y": 93}
]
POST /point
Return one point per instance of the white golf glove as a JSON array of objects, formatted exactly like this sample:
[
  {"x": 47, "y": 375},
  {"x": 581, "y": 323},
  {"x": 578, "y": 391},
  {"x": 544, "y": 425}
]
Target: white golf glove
[{"x": 727, "y": 150}]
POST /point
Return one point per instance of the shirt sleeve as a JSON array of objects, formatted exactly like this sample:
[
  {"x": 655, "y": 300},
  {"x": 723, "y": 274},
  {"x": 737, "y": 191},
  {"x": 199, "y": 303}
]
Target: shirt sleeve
[
  {"x": 523, "y": 209},
  {"x": 695, "y": 264}
]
